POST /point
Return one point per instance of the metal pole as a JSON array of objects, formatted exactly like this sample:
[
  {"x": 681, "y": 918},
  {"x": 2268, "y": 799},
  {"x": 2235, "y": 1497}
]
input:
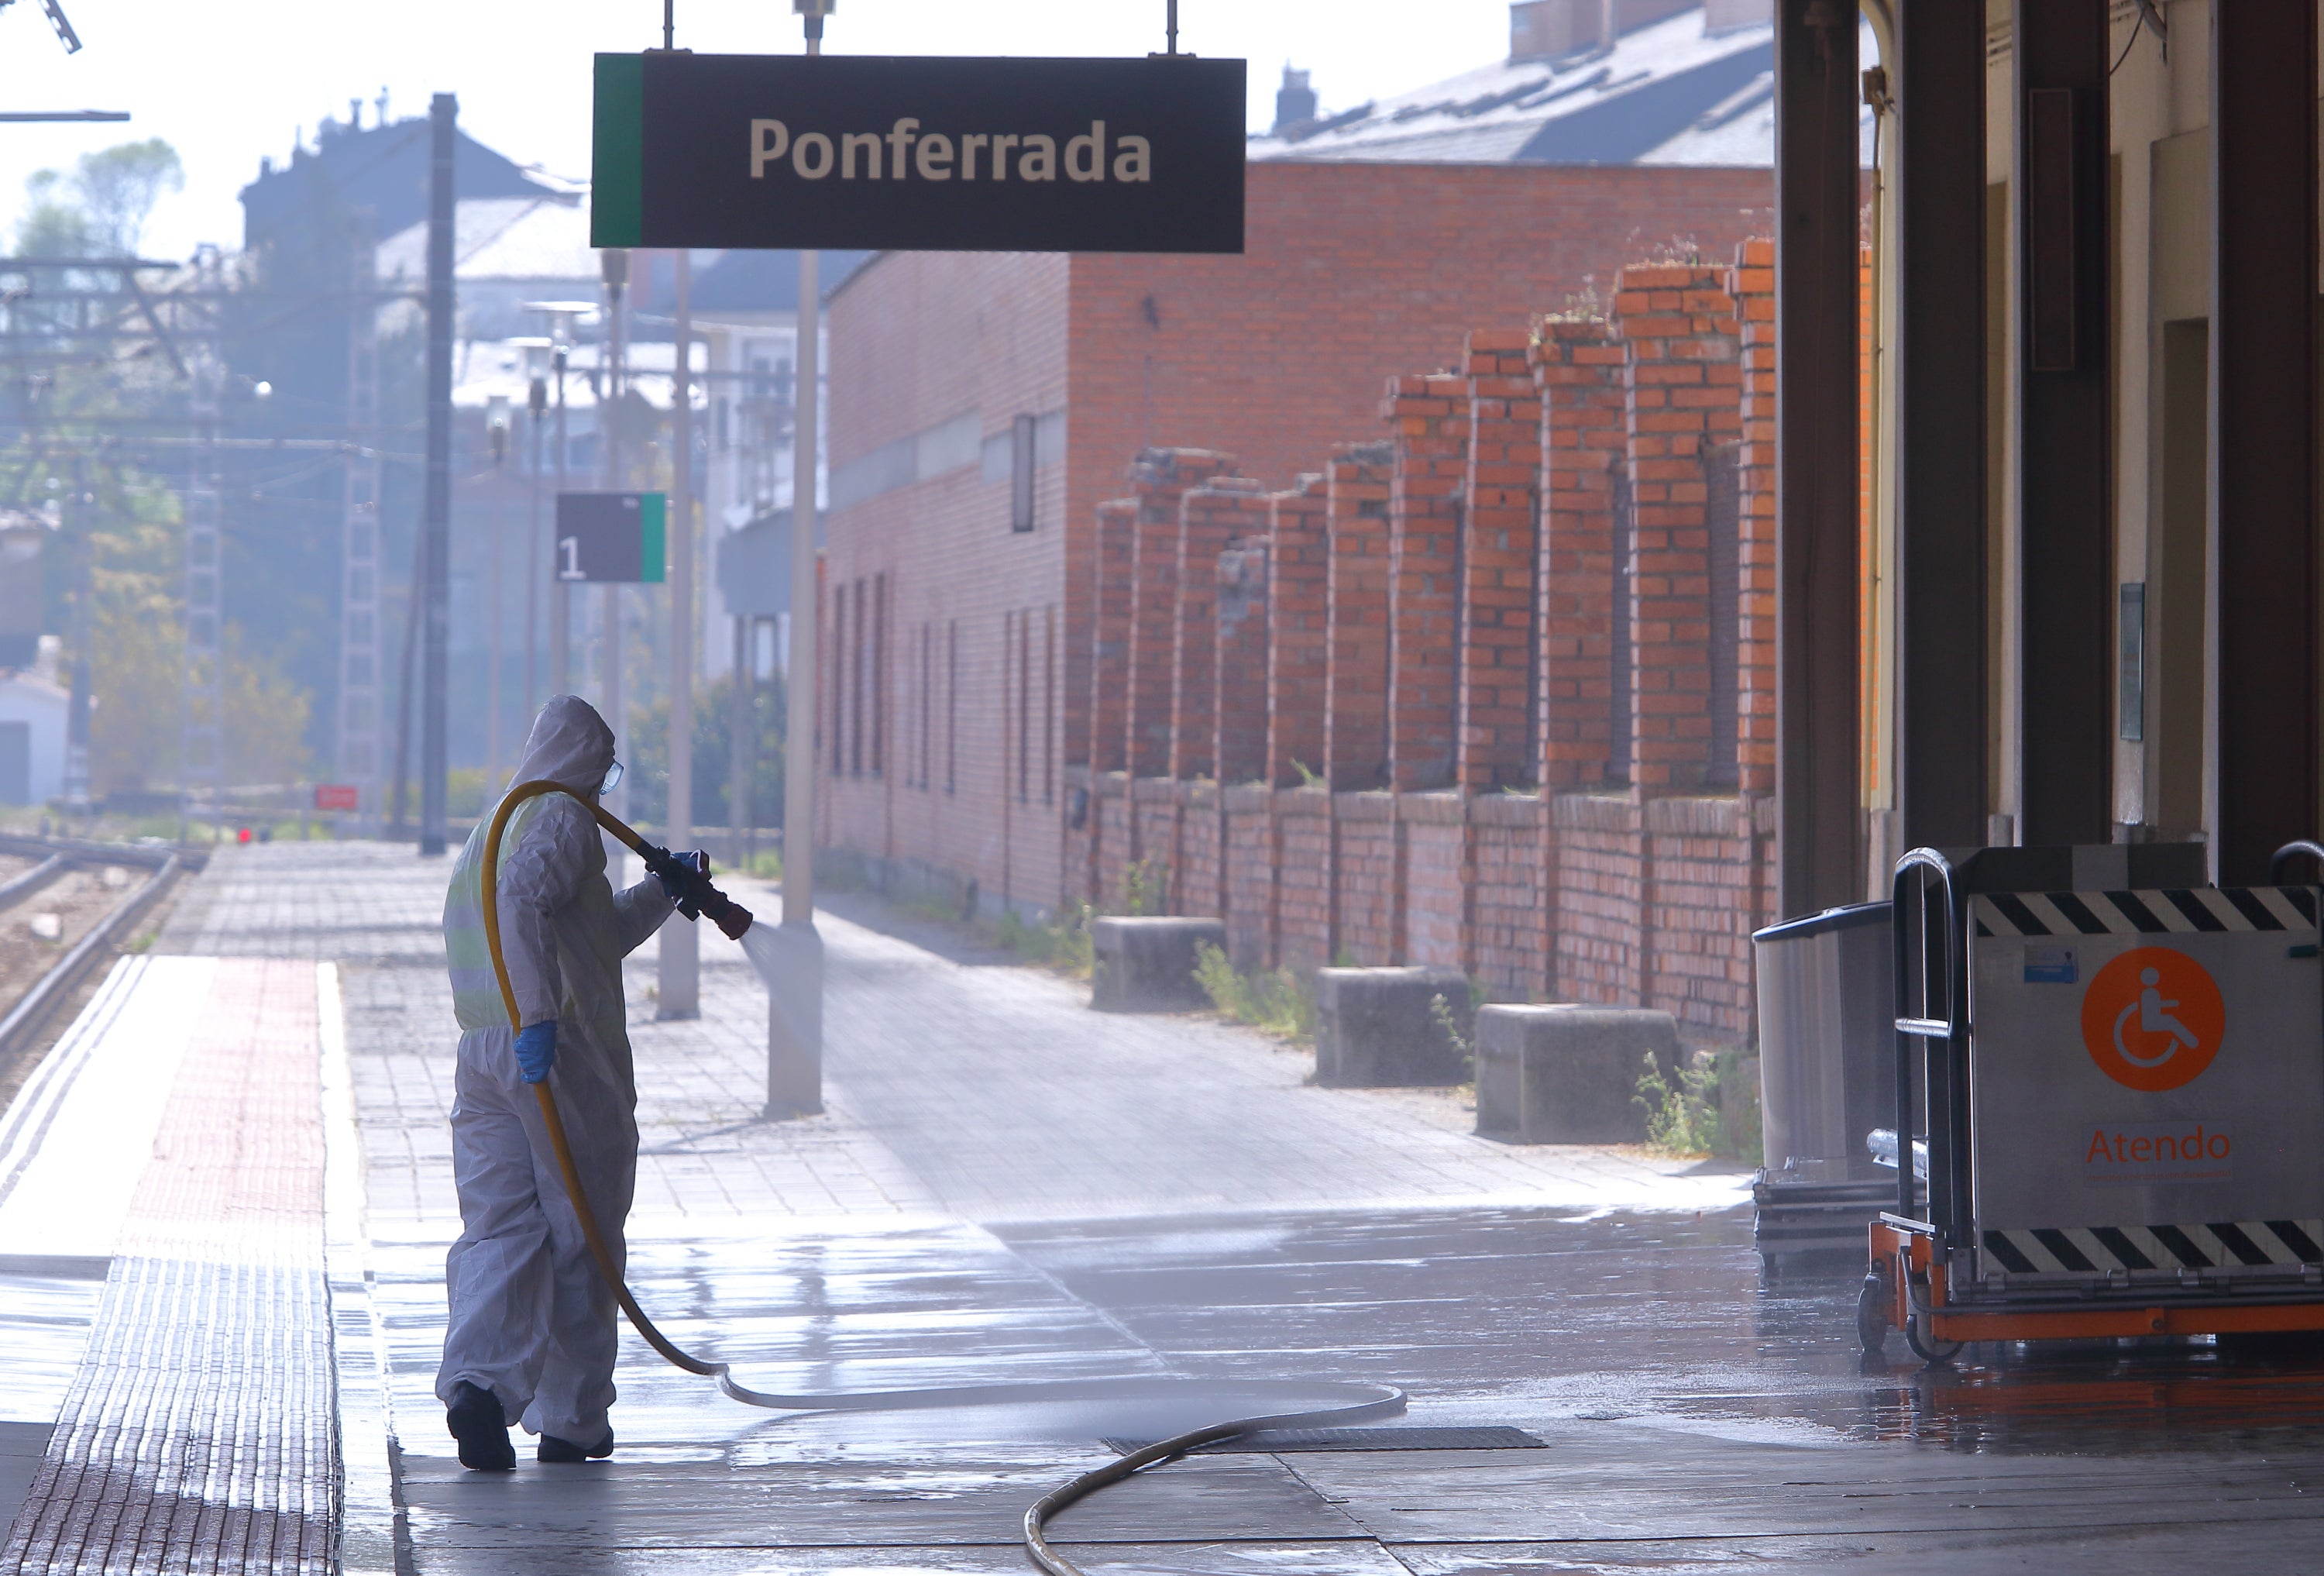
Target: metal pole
[
  {"x": 679, "y": 964},
  {"x": 616, "y": 262},
  {"x": 742, "y": 743},
  {"x": 560, "y": 595},
  {"x": 537, "y": 404},
  {"x": 84, "y": 548},
  {"x": 497, "y": 523},
  {"x": 795, "y": 984},
  {"x": 443, "y": 114}
]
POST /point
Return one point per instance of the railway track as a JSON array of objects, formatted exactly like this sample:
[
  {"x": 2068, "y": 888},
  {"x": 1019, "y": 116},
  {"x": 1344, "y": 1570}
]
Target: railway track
[{"x": 33, "y": 984}]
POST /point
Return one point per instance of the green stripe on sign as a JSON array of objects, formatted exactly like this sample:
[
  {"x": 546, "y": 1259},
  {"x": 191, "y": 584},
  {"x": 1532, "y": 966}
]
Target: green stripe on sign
[
  {"x": 618, "y": 154},
  {"x": 653, "y": 514}
]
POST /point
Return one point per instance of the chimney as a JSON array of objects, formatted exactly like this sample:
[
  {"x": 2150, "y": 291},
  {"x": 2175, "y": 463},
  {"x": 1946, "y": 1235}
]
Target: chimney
[
  {"x": 1544, "y": 30},
  {"x": 1295, "y": 102}
]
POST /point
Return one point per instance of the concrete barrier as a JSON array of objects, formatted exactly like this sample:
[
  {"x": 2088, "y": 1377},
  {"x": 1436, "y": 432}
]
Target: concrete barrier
[
  {"x": 1378, "y": 1028},
  {"x": 1147, "y": 964},
  {"x": 1565, "y": 1074}
]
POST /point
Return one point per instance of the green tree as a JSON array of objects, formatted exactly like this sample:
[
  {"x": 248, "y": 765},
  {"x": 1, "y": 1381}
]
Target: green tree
[
  {"x": 646, "y": 750},
  {"x": 101, "y": 208}
]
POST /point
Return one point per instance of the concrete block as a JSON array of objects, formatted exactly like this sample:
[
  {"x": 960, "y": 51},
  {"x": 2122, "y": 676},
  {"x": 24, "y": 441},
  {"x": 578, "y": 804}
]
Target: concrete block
[
  {"x": 1146, "y": 963},
  {"x": 1565, "y": 1074},
  {"x": 1376, "y": 1028}
]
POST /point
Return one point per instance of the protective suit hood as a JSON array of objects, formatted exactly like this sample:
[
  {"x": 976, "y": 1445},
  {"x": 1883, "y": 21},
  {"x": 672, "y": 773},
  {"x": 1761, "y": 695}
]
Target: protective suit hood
[{"x": 569, "y": 745}]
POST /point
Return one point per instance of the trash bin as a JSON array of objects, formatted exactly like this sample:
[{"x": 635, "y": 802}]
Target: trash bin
[
  {"x": 1827, "y": 1078},
  {"x": 1827, "y": 1039}
]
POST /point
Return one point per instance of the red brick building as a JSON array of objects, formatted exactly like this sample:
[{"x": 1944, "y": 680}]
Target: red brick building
[{"x": 975, "y": 673}]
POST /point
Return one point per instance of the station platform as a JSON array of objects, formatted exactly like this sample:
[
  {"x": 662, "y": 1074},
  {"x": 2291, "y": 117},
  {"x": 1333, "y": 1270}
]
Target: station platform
[{"x": 226, "y": 1196}]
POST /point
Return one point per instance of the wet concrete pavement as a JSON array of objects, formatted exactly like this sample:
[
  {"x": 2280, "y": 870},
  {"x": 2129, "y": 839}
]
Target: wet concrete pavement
[{"x": 1007, "y": 1187}]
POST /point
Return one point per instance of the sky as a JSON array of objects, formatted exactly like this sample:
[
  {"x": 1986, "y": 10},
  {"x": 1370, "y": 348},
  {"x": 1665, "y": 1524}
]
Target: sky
[{"x": 226, "y": 85}]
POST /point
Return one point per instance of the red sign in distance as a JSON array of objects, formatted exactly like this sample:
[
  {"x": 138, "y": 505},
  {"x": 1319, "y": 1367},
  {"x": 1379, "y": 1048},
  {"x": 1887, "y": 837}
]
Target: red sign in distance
[{"x": 337, "y": 795}]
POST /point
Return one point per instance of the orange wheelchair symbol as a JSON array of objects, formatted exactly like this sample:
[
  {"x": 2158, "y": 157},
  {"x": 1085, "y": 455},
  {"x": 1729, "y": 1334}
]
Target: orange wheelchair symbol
[{"x": 2152, "y": 1018}]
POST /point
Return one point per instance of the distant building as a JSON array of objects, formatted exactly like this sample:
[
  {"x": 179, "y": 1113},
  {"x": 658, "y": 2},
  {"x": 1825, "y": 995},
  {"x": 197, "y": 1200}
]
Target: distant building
[
  {"x": 1585, "y": 82},
  {"x": 968, "y": 387},
  {"x": 33, "y": 709}
]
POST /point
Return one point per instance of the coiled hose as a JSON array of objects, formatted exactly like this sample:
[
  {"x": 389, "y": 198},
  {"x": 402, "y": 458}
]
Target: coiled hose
[{"x": 1363, "y": 1401}]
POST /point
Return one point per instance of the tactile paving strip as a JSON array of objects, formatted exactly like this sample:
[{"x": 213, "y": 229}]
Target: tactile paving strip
[
  {"x": 1291, "y": 1441},
  {"x": 199, "y": 1435}
]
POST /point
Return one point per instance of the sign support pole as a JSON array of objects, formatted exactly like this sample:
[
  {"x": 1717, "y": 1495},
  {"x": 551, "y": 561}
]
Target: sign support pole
[
  {"x": 795, "y": 981},
  {"x": 680, "y": 958},
  {"x": 436, "y": 586}
]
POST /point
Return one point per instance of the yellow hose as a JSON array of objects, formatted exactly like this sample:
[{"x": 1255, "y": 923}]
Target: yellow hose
[
  {"x": 549, "y": 1115},
  {"x": 1361, "y": 1401}
]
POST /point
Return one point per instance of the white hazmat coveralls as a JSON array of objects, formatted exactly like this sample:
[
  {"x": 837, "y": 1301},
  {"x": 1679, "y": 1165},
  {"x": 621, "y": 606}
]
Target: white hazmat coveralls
[{"x": 532, "y": 1320}]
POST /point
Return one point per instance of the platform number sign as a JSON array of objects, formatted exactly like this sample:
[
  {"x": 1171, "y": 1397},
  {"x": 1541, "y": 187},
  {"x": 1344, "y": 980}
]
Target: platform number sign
[{"x": 610, "y": 539}]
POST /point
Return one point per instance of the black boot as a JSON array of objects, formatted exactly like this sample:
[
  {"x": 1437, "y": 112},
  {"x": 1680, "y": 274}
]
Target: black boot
[
  {"x": 556, "y": 1451},
  {"x": 477, "y": 1422}
]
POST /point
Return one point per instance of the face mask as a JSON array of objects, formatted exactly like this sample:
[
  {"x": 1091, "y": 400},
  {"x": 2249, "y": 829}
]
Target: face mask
[{"x": 613, "y": 780}]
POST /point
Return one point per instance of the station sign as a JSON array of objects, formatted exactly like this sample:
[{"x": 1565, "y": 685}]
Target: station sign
[
  {"x": 610, "y": 539},
  {"x": 918, "y": 153}
]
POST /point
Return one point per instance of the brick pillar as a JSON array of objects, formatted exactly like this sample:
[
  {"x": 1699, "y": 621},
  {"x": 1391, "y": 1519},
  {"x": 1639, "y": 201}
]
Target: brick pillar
[
  {"x": 1678, "y": 323},
  {"x": 1499, "y": 523},
  {"x": 1584, "y": 456},
  {"x": 1298, "y": 631},
  {"x": 1112, "y": 553},
  {"x": 1156, "y": 481},
  {"x": 1238, "y": 660},
  {"x": 1753, "y": 288},
  {"x": 1429, "y": 417},
  {"x": 1210, "y": 517},
  {"x": 1355, "y": 684}
]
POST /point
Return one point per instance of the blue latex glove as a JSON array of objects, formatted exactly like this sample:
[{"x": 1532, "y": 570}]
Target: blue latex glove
[
  {"x": 693, "y": 859},
  {"x": 535, "y": 1050}
]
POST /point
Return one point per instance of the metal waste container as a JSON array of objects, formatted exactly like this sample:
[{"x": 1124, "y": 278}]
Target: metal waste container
[{"x": 1827, "y": 1075}]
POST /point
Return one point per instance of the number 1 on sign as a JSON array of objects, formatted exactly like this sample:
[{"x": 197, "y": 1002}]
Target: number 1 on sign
[{"x": 568, "y": 548}]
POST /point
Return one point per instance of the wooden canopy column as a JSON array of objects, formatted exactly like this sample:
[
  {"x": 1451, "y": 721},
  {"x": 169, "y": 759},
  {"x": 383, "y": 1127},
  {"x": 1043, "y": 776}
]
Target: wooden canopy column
[
  {"x": 1818, "y": 861},
  {"x": 2264, "y": 184},
  {"x": 1941, "y": 560},
  {"x": 2065, "y": 513}
]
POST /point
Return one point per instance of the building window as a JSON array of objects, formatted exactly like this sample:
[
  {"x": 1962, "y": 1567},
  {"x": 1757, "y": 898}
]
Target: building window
[
  {"x": 1023, "y": 464},
  {"x": 879, "y": 674},
  {"x": 1049, "y": 705},
  {"x": 838, "y": 731},
  {"x": 952, "y": 706},
  {"x": 855, "y": 734},
  {"x": 927, "y": 714},
  {"x": 1024, "y": 705}
]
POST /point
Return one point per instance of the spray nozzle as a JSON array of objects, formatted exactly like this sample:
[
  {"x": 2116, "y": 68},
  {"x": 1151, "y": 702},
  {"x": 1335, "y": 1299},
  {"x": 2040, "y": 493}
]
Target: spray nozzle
[{"x": 689, "y": 884}]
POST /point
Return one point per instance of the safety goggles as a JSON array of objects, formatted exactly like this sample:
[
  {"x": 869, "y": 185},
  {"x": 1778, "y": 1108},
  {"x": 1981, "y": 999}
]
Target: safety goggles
[{"x": 613, "y": 780}]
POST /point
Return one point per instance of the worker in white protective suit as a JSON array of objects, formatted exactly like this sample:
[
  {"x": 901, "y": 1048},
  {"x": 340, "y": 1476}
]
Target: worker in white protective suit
[{"x": 532, "y": 1336}]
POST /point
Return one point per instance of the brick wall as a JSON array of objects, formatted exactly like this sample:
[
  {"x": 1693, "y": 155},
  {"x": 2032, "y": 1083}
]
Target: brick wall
[
  {"x": 1251, "y": 867},
  {"x": 1355, "y": 709},
  {"x": 1509, "y": 918},
  {"x": 1753, "y": 288},
  {"x": 1685, "y": 384},
  {"x": 1519, "y": 595},
  {"x": 1114, "y": 539},
  {"x": 1499, "y": 517},
  {"x": 1298, "y": 632},
  {"x": 1578, "y": 364},
  {"x": 1428, "y": 422},
  {"x": 1304, "y": 907},
  {"x": 1159, "y": 480},
  {"x": 1368, "y": 878},
  {"x": 1241, "y": 626},
  {"x": 1210, "y": 517}
]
